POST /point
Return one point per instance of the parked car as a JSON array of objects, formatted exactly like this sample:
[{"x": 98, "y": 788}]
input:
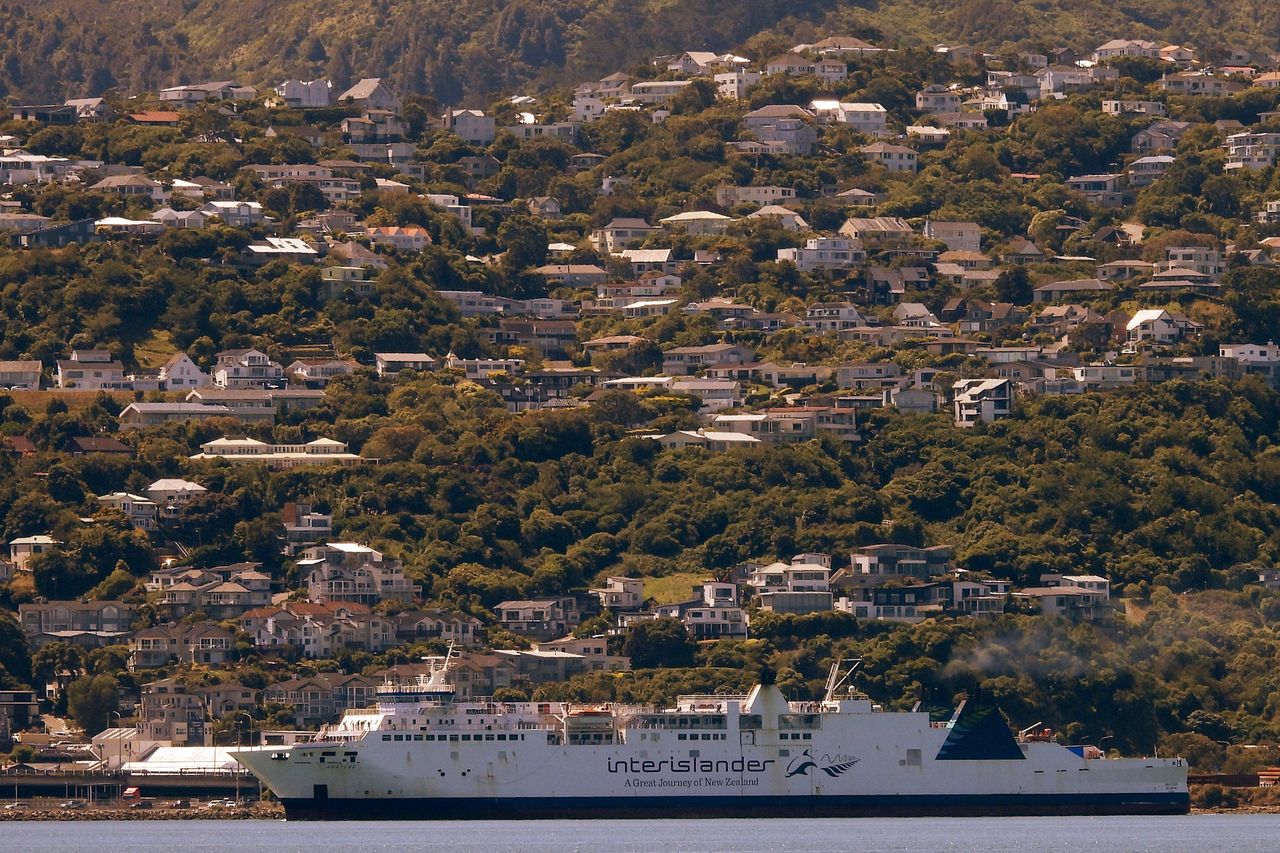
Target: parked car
[
  {"x": 11, "y": 806},
  {"x": 72, "y": 804}
]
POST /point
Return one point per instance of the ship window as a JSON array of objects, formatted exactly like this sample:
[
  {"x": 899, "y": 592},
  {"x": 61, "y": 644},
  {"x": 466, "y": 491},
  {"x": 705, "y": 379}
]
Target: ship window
[
  {"x": 417, "y": 737},
  {"x": 430, "y": 737},
  {"x": 466, "y": 737},
  {"x": 386, "y": 737},
  {"x": 502, "y": 737},
  {"x": 783, "y": 753},
  {"x": 399, "y": 737},
  {"x": 453, "y": 738},
  {"x": 488, "y": 737},
  {"x": 681, "y": 736}
]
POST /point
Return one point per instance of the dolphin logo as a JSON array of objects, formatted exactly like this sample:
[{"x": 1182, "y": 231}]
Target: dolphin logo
[{"x": 800, "y": 765}]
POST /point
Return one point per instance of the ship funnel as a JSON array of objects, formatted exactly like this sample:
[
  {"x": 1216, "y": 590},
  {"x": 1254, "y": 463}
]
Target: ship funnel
[{"x": 767, "y": 701}]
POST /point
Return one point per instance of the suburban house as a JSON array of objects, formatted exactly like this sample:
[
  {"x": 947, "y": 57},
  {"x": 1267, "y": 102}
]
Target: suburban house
[
  {"x": 892, "y": 560},
  {"x": 712, "y": 614},
  {"x": 317, "y": 372},
  {"x": 895, "y": 158},
  {"x": 544, "y": 619},
  {"x": 621, "y": 593},
  {"x": 310, "y": 94},
  {"x": 199, "y": 643},
  {"x": 391, "y": 363},
  {"x": 20, "y": 375},
  {"x": 346, "y": 572},
  {"x": 1158, "y": 326},
  {"x": 132, "y": 186},
  {"x": 89, "y": 370},
  {"x": 83, "y": 623},
  {"x": 404, "y": 238},
  {"x": 681, "y": 361},
  {"x": 825, "y": 253},
  {"x": 730, "y": 196},
  {"x": 982, "y": 400},
  {"x": 170, "y": 713},
  {"x": 140, "y": 511},
  {"x": 249, "y": 451},
  {"x": 170, "y": 495},
  {"x": 798, "y": 587},
  {"x": 472, "y": 126},
  {"x": 247, "y": 368},
  {"x": 1252, "y": 150},
  {"x": 371, "y": 93},
  {"x": 237, "y": 214},
  {"x": 411, "y": 625},
  {"x": 620, "y": 233}
]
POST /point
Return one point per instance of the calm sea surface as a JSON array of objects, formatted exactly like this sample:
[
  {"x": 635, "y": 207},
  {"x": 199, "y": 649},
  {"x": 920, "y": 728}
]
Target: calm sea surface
[{"x": 1241, "y": 833}]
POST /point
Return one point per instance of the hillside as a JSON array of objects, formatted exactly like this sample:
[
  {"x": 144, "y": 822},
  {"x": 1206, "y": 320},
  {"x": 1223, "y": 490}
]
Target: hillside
[{"x": 54, "y": 49}]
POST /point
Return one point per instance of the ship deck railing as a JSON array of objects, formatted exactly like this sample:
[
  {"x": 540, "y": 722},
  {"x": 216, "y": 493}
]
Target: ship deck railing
[{"x": 710, "y": 698}]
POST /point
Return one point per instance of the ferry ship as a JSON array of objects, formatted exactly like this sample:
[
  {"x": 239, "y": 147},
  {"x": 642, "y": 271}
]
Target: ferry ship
[{"x": 420, "y": 753}]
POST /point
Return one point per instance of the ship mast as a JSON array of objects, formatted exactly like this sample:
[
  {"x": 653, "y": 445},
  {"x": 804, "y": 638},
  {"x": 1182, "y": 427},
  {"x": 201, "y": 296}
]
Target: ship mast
[{"x": 842, "y": 671}]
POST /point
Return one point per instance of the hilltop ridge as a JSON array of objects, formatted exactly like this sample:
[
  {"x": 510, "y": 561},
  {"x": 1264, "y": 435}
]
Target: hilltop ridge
[{"x": 467, "y": 52}]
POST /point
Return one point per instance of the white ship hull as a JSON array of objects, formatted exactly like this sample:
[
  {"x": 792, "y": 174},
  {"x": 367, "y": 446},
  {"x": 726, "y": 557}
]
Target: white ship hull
[{"x": 846, "y": 761}]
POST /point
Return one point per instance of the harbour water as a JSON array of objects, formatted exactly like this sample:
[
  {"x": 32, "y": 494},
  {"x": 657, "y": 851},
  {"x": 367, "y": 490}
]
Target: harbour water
[{"x": 1237, "y": 833}]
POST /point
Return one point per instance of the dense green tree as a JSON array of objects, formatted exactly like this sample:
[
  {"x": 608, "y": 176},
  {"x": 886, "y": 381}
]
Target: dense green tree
[
  {"x": 660, "y": 642},
  {"x": 90, "y": 701}
]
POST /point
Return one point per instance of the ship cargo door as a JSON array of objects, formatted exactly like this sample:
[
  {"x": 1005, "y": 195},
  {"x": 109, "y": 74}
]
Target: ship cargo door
[{"x": 320, "y": 792}]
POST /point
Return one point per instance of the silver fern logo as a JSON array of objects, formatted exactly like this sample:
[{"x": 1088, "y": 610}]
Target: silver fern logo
[{"x": 832, "y": 765}]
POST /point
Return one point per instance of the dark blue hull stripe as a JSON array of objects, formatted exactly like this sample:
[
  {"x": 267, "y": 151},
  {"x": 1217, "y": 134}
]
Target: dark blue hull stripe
[{"x": 546, "y": 808}]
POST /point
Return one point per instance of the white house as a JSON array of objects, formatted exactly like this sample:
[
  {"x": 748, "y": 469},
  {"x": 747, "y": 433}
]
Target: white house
[
  {"x": 866, "y": 118},
  {"x": 89, "y": 370},
  {"x": 984, "y": 400},
  {"x": 305, "y": 95},
  {"x": 237, "y": 214},
  {"x": 247, "y": 368},
  {"x": 372, "y": 94},
  {"x": 714, "y": 612},
  {"x": 801, "y": 586},
  {"x": 140, "y": 511},
  {"x": 236, "y": 451},
  {"x": 22, "y": 549},
  {"x": 171, "y": 494},
  {"x": 621, "y": 593},
  {"x": 1156, "y": 325},
  {"x": 180, "y": 373},
  {"x": 391, "y": 363},
  {"x": 895, "y": 158},
  {"x": 471, "y": 126},
  {"x": 826, "y": 253}
]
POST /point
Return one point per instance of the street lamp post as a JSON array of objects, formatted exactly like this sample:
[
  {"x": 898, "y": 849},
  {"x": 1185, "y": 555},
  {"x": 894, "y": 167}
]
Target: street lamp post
[
  {"x": 236, "y": 770},
  {"x": 119, "y": 717}
]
